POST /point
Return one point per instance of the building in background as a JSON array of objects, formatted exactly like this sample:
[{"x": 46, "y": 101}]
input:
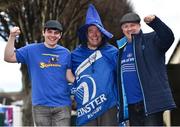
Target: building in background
[
  {"x": 173, "y": 68},
  {"x": 11, "y": 109}
]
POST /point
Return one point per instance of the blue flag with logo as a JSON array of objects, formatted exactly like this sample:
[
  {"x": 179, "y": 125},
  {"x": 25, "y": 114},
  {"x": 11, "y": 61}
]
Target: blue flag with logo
[{"x": 96, "y": 88}]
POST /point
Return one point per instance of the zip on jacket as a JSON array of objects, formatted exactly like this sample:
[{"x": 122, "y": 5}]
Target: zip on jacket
[{"x": 134, "y": 52}]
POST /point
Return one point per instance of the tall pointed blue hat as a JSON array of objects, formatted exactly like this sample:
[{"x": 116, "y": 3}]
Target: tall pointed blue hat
[{"x": 92, "y": 18}]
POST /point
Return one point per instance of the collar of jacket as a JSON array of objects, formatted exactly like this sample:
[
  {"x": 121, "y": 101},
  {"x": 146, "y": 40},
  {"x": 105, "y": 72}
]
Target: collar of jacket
[{"x": 122, "y": 42}]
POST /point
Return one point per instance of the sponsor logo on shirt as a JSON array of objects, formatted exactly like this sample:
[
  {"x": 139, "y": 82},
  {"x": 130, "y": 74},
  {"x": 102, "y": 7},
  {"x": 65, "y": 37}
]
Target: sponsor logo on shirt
[
  {"x": 52, "y": 61},
  {"x": 45, "y": 65}
]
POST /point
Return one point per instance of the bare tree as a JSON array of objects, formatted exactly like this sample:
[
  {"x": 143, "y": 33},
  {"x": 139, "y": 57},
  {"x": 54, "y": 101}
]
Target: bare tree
[{"x": 30, "y": 16}]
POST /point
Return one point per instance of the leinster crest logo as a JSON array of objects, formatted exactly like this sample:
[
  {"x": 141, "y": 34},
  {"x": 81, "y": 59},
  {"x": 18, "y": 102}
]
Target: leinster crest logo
[{"x": 83, "y": 91}]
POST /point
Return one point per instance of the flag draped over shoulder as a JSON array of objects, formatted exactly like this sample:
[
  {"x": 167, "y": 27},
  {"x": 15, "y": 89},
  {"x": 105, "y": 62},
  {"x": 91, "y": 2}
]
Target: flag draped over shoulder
[{"x": 96, "y": 88}]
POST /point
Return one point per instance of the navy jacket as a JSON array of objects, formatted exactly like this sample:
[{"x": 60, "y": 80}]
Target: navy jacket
[{"x": 149, "y": 52}]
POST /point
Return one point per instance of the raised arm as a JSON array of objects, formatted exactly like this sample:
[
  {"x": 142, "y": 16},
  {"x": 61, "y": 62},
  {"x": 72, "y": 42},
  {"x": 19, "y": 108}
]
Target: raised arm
[
  {"x": 9, "y": 53},
  {"x": 163, "y": 32}
]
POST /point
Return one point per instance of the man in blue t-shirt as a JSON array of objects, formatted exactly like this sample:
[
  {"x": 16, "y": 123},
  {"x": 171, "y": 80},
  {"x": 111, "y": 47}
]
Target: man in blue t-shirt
[{"x": 48, "y": 64}]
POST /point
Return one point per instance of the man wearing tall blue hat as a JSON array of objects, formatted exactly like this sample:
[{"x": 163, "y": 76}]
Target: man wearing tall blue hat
[{"x": 94, "y": 66}]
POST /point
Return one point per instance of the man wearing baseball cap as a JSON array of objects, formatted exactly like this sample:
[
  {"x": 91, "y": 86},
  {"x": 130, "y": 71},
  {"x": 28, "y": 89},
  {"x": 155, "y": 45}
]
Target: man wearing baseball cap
[
  {"x": 142, "y": 69},
  {"x": 47, "y": 64}
]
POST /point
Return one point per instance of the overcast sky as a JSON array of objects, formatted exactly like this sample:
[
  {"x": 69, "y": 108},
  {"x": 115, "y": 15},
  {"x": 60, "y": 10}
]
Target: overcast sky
[
  {"x": 167, "y": 10},
  {"x": 10, "y": 75}
]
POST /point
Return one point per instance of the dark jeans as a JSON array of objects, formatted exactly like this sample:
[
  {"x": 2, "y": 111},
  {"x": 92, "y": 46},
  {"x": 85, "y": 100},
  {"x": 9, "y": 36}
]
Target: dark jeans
[
  {"x": 109, "y": 118},
  {"x": 51, "y": 116},
  {"x": 137, "y": 116}
]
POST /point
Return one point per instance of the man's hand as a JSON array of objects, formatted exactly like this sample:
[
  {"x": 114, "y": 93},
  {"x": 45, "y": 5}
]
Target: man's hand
[
  {"x": 149, "y": 18},
  {"x": 15, "y": 31},
  {"x": 9, "y": 54}
]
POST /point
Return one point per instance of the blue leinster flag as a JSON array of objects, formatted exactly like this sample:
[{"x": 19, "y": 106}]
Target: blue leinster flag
[{"x": 95, "y": 87}]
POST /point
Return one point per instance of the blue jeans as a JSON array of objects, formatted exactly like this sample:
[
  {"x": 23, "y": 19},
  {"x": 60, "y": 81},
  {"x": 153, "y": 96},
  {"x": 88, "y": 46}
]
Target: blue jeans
[
  {"x": 51, "y": 116},
  {"x": 137, "y": 116}
]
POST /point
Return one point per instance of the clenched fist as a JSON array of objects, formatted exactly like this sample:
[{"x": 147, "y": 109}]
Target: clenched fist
[
  {"x": 149, "y": 18},
  {"x": 15, "y": 31}
]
